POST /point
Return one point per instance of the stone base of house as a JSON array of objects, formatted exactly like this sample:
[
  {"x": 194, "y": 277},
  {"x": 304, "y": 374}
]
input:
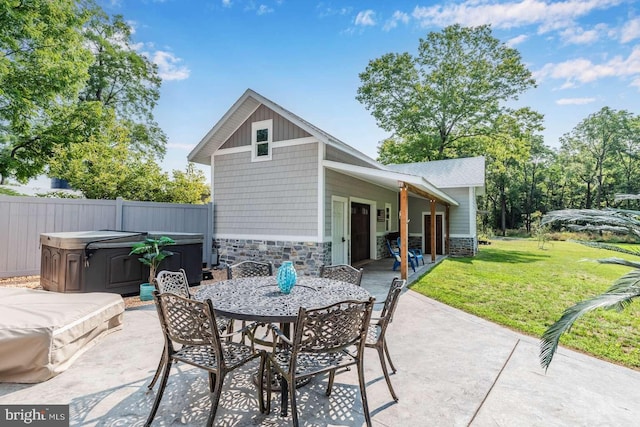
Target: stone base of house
[
  {"x": 306, "y": 256},
  {"x": 463, "y": 246}
]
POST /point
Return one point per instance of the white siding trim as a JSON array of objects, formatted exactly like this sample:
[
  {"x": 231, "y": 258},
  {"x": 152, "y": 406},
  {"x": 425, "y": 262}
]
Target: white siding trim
[
  {"x": 472, "y": 212},
  {"x": 212, "y": 175},
  {"x": 236, "y": 236},
  {"x": 471, "y": 236},
  {"x": 321, "y": 190},
  {"x": 255, "y": 126},
  {"x": 276, "y": 144}
]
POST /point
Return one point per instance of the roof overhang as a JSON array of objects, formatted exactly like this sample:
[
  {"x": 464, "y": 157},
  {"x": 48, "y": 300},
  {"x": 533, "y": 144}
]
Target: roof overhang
[{"x": 416, "y": 185}]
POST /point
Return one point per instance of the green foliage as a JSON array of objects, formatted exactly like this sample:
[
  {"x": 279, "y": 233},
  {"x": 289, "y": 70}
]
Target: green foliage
[
  {"x": 513, "y": 283},
  {"x": 623, "y": 291},
  {"x": 43, "y": 65},
  {"x": 9, "y": 192},
  {"x": 449, "y": 93},
  {"x": 152, "y": 253}
]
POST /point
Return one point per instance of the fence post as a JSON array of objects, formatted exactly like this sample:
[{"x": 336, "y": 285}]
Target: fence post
[
  {"x": 208, "y": 239},
  {"x": 119, "y": 213}
]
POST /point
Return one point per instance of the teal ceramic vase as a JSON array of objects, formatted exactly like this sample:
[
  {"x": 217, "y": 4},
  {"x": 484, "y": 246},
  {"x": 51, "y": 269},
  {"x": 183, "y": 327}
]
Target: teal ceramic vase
[{"x": 286, "y": 277}]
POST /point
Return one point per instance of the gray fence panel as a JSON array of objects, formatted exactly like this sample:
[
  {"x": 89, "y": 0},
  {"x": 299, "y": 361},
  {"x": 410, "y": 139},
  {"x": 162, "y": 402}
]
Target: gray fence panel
[{"x": 23, "y": 219}]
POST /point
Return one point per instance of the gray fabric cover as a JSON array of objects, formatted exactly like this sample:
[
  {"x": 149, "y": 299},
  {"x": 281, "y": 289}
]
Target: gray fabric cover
[{"x": 42, "y": 332}]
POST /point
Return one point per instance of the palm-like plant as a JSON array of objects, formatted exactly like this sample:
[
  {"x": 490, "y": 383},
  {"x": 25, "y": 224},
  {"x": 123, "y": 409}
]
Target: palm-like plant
[
  {"x": 623, "y": 291},
  {"x": 152, "y": 253}
]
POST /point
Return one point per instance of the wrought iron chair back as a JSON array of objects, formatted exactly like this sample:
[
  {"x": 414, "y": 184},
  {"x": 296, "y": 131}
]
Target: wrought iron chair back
[
  {"x": 192, "y": 324},
  {"x": 376, "y": 335},
  {"x": 325, "y": 339},
  {"x": 249, "y": 269},
  {"x": 175, "y": 282},
  {"x": 342, "y": 272}
]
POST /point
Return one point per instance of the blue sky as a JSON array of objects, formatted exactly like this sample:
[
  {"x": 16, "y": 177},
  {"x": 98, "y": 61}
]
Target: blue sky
[{"x": 306, "y": 56}]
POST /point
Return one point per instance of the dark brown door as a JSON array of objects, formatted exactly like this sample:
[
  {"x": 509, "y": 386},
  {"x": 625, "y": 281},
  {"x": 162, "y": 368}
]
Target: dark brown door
[
  {"x": 360, "y": 232},
  {"x": 427, "y": 234}
]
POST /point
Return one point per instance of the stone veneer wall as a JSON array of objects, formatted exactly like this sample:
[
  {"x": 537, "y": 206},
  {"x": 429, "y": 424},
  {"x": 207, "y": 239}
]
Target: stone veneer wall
[
  {"x": 306, "y": 256},
  {"x": 463, "y": 246}
]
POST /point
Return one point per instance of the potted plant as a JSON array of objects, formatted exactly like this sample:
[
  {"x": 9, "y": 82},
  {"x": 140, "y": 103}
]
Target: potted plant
[{"x": 151, "y": 253}]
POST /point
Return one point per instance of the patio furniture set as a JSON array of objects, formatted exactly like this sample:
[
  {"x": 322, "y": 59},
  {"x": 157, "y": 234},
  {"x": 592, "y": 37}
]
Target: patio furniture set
[{"x": 322, "y": 326}]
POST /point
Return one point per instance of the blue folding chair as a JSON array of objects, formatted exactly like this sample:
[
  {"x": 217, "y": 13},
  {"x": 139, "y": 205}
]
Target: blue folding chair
[
  {"x": 395, "y": 253},
  {"x": 417, "y": 253}
]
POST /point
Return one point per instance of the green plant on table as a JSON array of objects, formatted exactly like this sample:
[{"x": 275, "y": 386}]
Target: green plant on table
[{"x": 152, "y": 253}]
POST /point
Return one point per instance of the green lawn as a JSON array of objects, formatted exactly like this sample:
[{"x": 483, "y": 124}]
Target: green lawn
[{"x": 518, "y": 285}]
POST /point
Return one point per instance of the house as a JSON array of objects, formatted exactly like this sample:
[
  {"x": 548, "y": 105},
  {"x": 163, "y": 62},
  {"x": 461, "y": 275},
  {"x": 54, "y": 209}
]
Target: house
[{"x": 284, "y": 189}]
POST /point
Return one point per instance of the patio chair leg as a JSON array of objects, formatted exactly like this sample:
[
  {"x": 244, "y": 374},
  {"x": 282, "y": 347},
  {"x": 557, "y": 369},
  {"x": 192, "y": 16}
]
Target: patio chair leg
[
  {"x": 215, "y": 396},
  {"x": 163, "y": 384},
  {"x": 386, "y": 351},
  {"x": 158, "y": 369},
  {"x": 363, "y": 393},
  {"x": 261, "y": 374},
  {"x": 332, "y": 376},
  {"x": 385, "y": 372},
  {"x": 292, "y": 403}
]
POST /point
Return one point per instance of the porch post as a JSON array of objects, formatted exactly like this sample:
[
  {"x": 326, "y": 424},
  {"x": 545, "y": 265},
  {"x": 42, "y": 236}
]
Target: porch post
[
  {"x": 433, "y": 230},
  {"x": 404, "y": 231}
]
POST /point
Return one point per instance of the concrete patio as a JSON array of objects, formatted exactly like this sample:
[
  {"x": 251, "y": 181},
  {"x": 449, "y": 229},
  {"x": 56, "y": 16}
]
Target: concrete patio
[{"x": 454, "y": 369}]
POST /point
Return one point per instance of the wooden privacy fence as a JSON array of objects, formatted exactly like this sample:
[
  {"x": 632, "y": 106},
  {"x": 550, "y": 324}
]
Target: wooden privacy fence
[{"x": 23, "y": 219}]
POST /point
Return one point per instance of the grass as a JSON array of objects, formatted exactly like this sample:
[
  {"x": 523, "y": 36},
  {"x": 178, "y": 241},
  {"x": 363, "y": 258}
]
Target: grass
[{"x": 518, "y": 285}]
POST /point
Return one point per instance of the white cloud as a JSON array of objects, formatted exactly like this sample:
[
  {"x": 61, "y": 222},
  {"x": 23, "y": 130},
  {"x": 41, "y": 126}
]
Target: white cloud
[
  {"x": 263, "y": 9},
  {"x": 366, "y": 18},
  {"x": 168, "y": 66},
  {"x": 226, "y": 3},
  {"x": 630, "y": 31},
  {"x": 576, "y": 35},
  {"x": 549, "y": 15},
  {"x": 580, "y": 71},
  {"x": 395, "y": 19},
  {"x": 517, "y": 40},
  {"x": 575, "y": 101}
]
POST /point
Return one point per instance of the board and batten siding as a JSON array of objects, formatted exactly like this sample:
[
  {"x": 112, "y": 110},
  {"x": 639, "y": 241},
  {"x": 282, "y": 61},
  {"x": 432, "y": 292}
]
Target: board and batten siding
[
  {"x": 283, "y": 129},
  {"x": 337, "y": 184},
  {"x": 336, "y": 155},
  {"x": 277, "y": 198}
]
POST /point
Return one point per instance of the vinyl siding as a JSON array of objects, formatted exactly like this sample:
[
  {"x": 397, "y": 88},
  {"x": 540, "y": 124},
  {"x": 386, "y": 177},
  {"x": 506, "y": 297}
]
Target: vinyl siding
[
  {"x": 337, "y": 184},
  {"x": 459, "y": 216},
  {"x": 336, "y": 155},
  {"x": 277, "y": 197},
  {"x": 283, "y": 129}
]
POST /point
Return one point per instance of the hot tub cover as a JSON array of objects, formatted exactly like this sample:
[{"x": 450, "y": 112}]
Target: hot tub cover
[{"x": 42, "y": 333}]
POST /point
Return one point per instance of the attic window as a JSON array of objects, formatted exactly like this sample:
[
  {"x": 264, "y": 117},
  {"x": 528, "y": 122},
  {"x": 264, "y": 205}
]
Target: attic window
[{"x": 261, "y": 138}]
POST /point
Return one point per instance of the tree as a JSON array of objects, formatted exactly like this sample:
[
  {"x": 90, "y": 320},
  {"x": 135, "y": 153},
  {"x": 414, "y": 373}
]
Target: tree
[
  {"x": 623, "y": 291},
  {"x": 43, "y": 65},
  {"x": 452, "y": 91},
  {"x": 594, "y": 144},
  {"x": 123, "y": 80}
]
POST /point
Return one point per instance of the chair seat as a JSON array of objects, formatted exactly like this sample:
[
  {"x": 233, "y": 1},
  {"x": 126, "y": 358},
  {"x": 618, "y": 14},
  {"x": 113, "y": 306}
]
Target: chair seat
[
  {"x": 205, "y": 357},
  {"x": 313, "y": 363}
]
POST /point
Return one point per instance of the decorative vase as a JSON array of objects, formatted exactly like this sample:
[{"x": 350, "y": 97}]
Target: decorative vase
[
  {"x": 146, "y": 291},
  {"x": 286, "y": 277}
]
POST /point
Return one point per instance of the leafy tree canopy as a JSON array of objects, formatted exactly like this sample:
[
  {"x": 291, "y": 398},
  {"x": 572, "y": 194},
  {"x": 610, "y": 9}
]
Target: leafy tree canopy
[{"x": 453, "y": 90}]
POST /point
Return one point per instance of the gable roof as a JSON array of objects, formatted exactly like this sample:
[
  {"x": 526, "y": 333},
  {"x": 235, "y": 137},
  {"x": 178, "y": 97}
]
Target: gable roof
[
  {"x": 241, "y": 110},
  {"x": 452, "y": 173}
]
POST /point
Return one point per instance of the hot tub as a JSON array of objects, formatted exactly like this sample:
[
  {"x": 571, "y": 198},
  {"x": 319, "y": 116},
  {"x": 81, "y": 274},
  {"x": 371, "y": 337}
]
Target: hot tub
[{"x": 99, "y": 261}]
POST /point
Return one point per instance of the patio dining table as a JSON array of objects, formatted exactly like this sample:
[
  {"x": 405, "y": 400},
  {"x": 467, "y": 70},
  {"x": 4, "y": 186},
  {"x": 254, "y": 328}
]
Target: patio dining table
[{"x": 259, "y": 299}]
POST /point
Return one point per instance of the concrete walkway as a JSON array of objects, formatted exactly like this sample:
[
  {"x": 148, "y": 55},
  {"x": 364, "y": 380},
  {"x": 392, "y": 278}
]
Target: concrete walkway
[{"x": 454, "y": 369}]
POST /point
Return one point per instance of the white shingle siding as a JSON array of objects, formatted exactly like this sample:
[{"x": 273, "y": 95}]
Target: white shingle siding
[
  {"x": 459, "y": 218},
  {"x": 275, "y": 198}
]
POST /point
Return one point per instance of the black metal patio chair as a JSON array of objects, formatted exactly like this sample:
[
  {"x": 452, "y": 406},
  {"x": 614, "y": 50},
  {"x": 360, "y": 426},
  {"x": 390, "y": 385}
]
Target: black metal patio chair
[{"x": 342, "y": 272}]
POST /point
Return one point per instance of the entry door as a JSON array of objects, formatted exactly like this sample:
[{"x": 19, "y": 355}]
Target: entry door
[
  {"x": 360, "y": 232},
  {"x": 427, "y": 234},
  {"x": 339, "y": 232}
]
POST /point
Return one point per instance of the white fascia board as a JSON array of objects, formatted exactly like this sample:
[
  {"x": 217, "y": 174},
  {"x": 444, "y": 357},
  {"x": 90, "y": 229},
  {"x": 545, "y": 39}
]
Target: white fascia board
[
  {"x": 312, "y": 239},
  {"x": 389, "y": 179}
]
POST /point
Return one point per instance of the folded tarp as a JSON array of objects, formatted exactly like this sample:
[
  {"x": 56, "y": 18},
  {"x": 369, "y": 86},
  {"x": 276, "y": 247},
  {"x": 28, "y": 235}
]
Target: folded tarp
[{"x": 42, "y": 333}]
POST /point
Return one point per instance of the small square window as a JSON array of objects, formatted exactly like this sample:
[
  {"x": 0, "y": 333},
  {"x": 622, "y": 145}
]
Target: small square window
[
  {"x": 262, "y": 135},
  {"x": 262, "y": 149}
]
